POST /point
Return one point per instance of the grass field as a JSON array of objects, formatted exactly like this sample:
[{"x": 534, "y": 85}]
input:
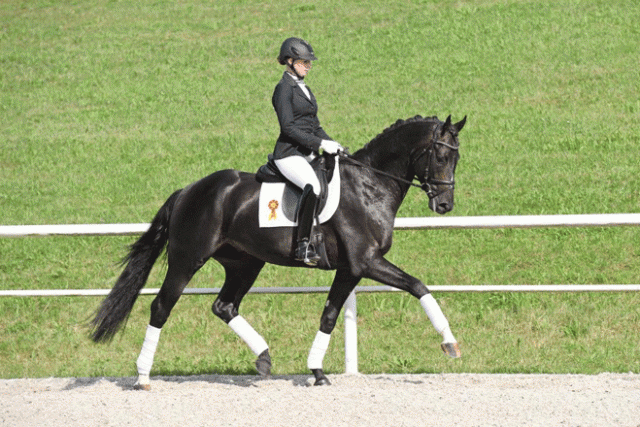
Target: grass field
[{"x": 107, "y": 107}]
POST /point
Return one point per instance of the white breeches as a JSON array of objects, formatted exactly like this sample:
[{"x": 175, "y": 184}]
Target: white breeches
[{"x": 298, "y": 170}]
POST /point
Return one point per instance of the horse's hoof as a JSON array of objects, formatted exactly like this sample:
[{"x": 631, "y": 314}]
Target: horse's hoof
[
  {"x": 144, "y": 387},
  {"x": 263, "y": 364},
  {"x": 322, "y": 381},
  {"x": 451, "y": 349}
]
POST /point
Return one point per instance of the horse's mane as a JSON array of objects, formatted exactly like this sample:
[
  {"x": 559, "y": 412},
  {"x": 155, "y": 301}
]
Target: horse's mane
[{"x": 398, "y": 124}]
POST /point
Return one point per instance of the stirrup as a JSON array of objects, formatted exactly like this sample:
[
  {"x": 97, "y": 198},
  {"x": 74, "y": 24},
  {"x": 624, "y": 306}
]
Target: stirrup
[{"x": 306, "y": 253}]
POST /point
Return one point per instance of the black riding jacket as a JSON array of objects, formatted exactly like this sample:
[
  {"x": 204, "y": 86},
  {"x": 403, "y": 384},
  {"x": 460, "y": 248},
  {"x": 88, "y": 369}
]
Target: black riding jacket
[{"x": 300, "y": 130}]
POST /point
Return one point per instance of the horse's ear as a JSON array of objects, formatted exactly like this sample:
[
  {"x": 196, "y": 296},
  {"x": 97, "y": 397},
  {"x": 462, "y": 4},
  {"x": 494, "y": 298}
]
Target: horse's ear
[
  {"x": 458, "y": 126},
  {"x": 447, "y": 125}
]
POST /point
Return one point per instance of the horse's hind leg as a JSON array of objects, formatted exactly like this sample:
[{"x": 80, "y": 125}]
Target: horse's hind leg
[
  {"x": 174, "y": 283},
  {"x": 241, "y": 272}
]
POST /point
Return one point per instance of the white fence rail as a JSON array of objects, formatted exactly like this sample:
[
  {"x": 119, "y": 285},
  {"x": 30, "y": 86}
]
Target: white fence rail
[
  {"x": 507, "y": 221},
  {"x": 325, "y": 289},
  {"x": 350, "y": 312}
]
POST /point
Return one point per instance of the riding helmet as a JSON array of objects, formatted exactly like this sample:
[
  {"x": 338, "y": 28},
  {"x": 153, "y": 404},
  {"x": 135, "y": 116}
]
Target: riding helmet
[{"x": 295, "y": 49}]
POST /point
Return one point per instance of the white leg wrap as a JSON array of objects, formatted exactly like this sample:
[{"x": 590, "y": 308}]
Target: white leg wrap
[
  {"x": 256, "y": 343},
  {"x": 318, "y": 350},
  {"x": 440, "y": 323},
  {"x": 145, "y": 360}
]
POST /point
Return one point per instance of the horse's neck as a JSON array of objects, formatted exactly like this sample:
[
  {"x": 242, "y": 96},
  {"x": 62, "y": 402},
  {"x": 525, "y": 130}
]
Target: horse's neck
[
  {"x": 391, "y": 152},
  {"x": 392, "y": 159},
  {"x": 395, "y": 164},
  {"x": 384, "y": 155}
]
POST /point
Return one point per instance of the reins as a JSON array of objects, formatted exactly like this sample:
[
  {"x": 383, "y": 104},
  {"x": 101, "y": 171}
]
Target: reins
[
  {"x": 355, "y": 162},
  {"x": 428, "y": 182}
]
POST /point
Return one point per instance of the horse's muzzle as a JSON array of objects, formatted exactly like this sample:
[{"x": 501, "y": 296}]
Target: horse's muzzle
[{"x": 442, "y": 203}]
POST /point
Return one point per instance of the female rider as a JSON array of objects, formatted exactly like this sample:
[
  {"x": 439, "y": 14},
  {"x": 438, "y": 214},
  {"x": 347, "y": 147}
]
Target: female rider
[{"x": 301, "y": 137}]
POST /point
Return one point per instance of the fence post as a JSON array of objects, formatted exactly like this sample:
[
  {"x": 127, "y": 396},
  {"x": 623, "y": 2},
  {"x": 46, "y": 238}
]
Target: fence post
[{"x": 350, "y": 335}]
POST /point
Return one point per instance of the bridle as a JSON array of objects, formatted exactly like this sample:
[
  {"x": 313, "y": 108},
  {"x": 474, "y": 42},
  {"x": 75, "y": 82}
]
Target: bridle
[{"x": 426, "y": 182}]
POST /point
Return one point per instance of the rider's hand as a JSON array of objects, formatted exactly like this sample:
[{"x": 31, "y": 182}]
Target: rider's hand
[{"x": 331, "y": 147}]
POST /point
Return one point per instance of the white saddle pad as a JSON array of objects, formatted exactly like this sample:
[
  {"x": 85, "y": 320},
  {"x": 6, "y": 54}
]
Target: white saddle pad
[{"x": 270, "y": 205}]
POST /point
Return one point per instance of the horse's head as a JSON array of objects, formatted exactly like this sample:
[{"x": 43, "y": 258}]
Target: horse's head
[{"x": 435, "y": 165}]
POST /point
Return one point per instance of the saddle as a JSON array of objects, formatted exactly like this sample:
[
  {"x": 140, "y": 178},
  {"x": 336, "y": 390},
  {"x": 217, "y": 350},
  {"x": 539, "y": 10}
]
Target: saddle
[
  {"x": 279, "y": 201},
  {"x": 323, "y": 166}
]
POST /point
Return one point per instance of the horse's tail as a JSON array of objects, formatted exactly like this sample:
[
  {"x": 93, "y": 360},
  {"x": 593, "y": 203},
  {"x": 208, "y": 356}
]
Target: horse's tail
[{"x": 142, "y": 255}]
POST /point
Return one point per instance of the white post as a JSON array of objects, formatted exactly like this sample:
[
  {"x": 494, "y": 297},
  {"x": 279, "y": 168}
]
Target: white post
[{"x": 350, "y": 335}]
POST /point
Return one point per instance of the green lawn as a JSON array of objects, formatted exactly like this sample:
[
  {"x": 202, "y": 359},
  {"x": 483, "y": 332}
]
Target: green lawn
[{"x": 107, "y": 107}]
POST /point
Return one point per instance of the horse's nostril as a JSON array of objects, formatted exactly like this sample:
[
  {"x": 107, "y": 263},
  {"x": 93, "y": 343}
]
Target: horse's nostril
[{"x": 444, "y": 207}]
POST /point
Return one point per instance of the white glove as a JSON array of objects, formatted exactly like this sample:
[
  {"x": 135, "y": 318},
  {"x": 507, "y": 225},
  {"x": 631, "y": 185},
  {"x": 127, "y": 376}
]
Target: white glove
[{"x": 331, "y": 147}]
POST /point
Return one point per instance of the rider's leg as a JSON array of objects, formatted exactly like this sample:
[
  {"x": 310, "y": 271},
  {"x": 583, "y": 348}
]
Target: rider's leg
[
  {"x": 308, "y": 204},
  {"x": 297, "y": 170}
]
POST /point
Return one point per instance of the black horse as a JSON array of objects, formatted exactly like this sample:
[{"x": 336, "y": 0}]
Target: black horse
[{"x": 216, "y": 217}]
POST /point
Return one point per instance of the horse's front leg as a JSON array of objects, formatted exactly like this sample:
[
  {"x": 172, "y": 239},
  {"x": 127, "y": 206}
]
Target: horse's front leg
[
  {"x": 385, "y": 272},
  {"x": 342, "y": 286}
]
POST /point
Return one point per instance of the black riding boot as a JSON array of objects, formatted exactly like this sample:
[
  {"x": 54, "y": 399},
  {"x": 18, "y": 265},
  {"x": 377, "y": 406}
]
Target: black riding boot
[{"x": 305, "y": 251}]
